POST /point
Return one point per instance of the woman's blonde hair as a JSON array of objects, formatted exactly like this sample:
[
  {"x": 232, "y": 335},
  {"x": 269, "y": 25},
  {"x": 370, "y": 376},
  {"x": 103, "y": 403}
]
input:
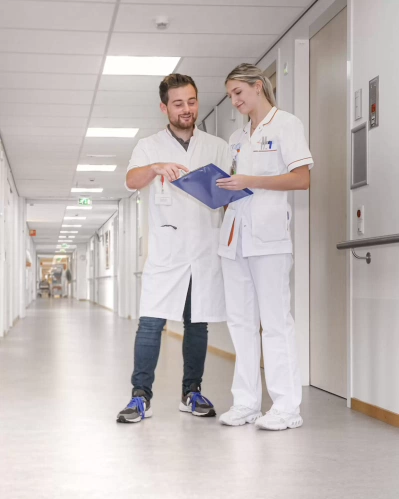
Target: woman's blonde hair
[{"x": 251, "y": 74}]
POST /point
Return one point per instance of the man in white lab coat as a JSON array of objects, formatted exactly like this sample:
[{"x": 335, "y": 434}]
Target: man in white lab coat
[{"x": 182, "y": 277}]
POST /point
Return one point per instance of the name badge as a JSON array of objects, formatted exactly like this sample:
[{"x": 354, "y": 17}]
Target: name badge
[{"x": 163, "y": 199}]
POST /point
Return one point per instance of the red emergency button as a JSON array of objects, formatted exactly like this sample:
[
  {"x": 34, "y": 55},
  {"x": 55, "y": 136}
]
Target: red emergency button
[
  {"x": 373, "y": 108},
  {"x": 359, "y": 213}
]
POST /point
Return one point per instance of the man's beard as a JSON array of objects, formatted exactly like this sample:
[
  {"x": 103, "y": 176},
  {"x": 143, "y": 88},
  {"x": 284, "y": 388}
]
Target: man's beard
[{"x": 181, "y": 124}]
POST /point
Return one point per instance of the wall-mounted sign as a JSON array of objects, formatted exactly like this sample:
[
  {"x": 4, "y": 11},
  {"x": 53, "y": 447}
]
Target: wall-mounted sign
[
  {"x": 32, "y": 233},
  {"x": 85, "y": 201}
]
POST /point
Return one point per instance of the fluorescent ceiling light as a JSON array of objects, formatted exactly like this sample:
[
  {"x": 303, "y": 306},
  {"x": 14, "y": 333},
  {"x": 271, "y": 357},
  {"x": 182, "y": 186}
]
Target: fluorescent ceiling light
[
  {"x": 79, "y": 207},
  {"x": 96, "y": 168},
  {"x": 64, "y": 225},
  {"x": 74, "y": 218},
  {"x": 87, "y": 189},
  {"x": 100, "y": 155},
  {"x": 62, "y": 237},
  {"x": 69, "y": 232},
  {"x": 124, "y": 133},
  {"x": 141, "y": 66}
]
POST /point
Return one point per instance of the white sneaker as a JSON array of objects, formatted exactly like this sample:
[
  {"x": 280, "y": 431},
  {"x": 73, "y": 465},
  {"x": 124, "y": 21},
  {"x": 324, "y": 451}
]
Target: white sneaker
[
  {"x": 239, "y": 415},
  {"x": 276, "y": 420}
]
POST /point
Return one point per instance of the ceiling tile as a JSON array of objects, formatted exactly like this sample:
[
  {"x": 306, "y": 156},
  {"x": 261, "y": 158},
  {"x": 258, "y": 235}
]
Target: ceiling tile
[
  {"x": 32, "y": 96},
  {"x": 160, "y": 122},
  {"x": 151, "y": 83},
  {"x": 44, "y": 63},
  {"x": 52, "y": 42},
  {"x": 215, "y": 45},
  {"x": 56, "y": 15},
  {"x": 217, "y": 66},
  {"x": 48, "y": 81},
  {"x": 18, "y": 109},
  {"x": 145, "y": 98},
  {"x": 201, "y": 19},
  {"x": 230, "y": 3},
  {"x": 57, "y": 133},
  {"x": 43, "y": 121},
  {"x": 110, "y": 111}
]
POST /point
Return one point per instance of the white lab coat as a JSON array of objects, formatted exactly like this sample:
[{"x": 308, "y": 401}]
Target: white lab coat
[
  {"x": 257, "y": 263},
  {"x": 183, "y": 233}
]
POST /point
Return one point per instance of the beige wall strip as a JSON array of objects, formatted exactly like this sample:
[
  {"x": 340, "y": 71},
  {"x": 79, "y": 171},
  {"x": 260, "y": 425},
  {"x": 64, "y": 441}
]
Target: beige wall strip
[
  {"x": 376, "y": 412},
  {"x": 211, "y": 349}
]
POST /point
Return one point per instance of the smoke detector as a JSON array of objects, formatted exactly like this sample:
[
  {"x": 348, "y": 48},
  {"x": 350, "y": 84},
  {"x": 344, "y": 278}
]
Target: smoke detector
[{"x": 162, "y": 22}]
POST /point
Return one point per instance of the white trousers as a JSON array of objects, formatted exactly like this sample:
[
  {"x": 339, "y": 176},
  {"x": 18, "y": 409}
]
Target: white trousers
[{"x": 257, "y": 291}]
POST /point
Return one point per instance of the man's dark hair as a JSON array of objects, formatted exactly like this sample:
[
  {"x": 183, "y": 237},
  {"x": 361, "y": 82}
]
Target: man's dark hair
[{"x": 174, "y": 80}]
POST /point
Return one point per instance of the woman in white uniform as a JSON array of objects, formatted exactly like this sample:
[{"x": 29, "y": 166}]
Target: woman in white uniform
[{"x": 270, "y": 157}]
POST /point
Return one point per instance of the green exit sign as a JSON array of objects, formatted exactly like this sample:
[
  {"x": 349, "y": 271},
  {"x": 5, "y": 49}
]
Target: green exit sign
[{"x": 85, "y": 201}]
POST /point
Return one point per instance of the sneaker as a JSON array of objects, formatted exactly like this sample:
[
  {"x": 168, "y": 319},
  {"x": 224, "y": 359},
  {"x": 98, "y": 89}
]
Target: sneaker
[
  {"x": 238, "y": 415},
  {"x": 136, "y": 410},
  {"x": 276, "y": 420},
  {"x": 197, "y": 404}
]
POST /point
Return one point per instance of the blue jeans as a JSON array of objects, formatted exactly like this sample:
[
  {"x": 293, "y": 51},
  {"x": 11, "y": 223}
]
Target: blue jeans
[{"x": 148, "y": 345}]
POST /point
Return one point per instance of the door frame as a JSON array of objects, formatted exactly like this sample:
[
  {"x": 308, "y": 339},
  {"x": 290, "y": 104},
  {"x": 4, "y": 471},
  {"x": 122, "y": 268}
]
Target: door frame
[{"x": 314, "y": 28}]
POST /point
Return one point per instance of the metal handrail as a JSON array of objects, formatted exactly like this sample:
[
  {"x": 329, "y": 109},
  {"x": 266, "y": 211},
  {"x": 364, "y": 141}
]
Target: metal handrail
[{"x": 370, "y": 241}]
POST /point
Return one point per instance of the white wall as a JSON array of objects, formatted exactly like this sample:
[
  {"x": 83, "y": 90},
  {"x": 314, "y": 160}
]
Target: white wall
[
  {"x": 106, "y": 267},
  {"x": 30, "y": 272},
  {"x": 81, "y": 272},
  {"x": 375, "y": 287},
  {"x": 12, "y": 249}
]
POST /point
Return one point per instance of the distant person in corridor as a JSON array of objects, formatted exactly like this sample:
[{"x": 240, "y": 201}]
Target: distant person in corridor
[{"x": 182, "y": 277}]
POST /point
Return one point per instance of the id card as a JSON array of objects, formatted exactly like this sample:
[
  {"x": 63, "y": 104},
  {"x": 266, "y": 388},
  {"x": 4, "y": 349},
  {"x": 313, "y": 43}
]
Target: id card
[{"x": 163, "y": 199}]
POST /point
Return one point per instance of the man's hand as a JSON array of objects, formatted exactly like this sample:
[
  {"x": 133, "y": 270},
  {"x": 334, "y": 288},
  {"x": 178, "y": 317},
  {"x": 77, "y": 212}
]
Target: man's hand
[
  {"x": 234, "y": 183},
  {"x": 169, "y": 170}
]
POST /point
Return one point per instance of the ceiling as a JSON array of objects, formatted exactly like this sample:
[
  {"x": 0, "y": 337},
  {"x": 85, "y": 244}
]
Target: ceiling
[{"x": 52, "y": 88}]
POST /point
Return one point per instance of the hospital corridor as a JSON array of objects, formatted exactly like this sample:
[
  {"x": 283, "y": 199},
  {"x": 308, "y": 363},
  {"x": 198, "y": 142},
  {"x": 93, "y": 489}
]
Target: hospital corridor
[{"x": 199, "y": 249}]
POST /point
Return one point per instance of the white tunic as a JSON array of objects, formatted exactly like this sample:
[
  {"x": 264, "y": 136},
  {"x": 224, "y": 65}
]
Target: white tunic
[
  {"x": 183, "y": 235},
  {"x": 276, "y": 147}
]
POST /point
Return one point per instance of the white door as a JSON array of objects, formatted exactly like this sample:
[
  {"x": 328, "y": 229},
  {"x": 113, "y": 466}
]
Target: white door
[
  {"x": 328, "y": 211},
  {"x": 9, "y": 255}
]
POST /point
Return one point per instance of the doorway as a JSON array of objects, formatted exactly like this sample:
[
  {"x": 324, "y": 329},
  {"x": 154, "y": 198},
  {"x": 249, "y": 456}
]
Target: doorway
[{"x": 328, "y": 206}]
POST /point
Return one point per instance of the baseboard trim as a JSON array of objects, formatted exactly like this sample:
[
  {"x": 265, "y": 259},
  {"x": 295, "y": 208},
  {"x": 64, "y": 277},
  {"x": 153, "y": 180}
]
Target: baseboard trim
[
  {"x": 375, "y": 412},
  {"x": 211, "y": 349},
  {"x": 101, "y": 306}
]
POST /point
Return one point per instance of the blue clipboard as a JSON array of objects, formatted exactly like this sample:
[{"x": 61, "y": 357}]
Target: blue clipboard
[{"x": 201, "y": 184}]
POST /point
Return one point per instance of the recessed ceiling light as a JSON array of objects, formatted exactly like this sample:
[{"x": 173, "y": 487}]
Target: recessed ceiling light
[
  {"x": 100, "y": 155},
  {"x": 65, "y": 225},
  {"x": 79, "y": 207},
  {"x": 87, "y": 189},
  {"x": 74, "y": 218},
  {"x": 96, "y": 168},
  {"x": 124, "y": 133},
  {"x": 141, "y": 66},
  {"x": 69, "y": 232},
  {"x": 62, "y": 237}
]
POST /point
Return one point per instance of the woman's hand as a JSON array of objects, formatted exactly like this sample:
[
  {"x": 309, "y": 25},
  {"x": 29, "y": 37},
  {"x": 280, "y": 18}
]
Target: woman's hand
[{"x": 234, "y": 183}]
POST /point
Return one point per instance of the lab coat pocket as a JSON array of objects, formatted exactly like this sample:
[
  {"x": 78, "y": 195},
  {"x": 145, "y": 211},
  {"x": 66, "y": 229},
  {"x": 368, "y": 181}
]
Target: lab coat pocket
[
  {"x": 226, "y": 231},
  {"x": 160, "y": 246},
  {"x": 270, "y": 222},
  {"x": 265, "y": 162}
]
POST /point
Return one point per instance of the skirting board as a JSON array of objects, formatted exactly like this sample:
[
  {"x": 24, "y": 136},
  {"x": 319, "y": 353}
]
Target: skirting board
[
  {"x": 211, "y": 349},
  {"x": 375, "y": 412}
]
